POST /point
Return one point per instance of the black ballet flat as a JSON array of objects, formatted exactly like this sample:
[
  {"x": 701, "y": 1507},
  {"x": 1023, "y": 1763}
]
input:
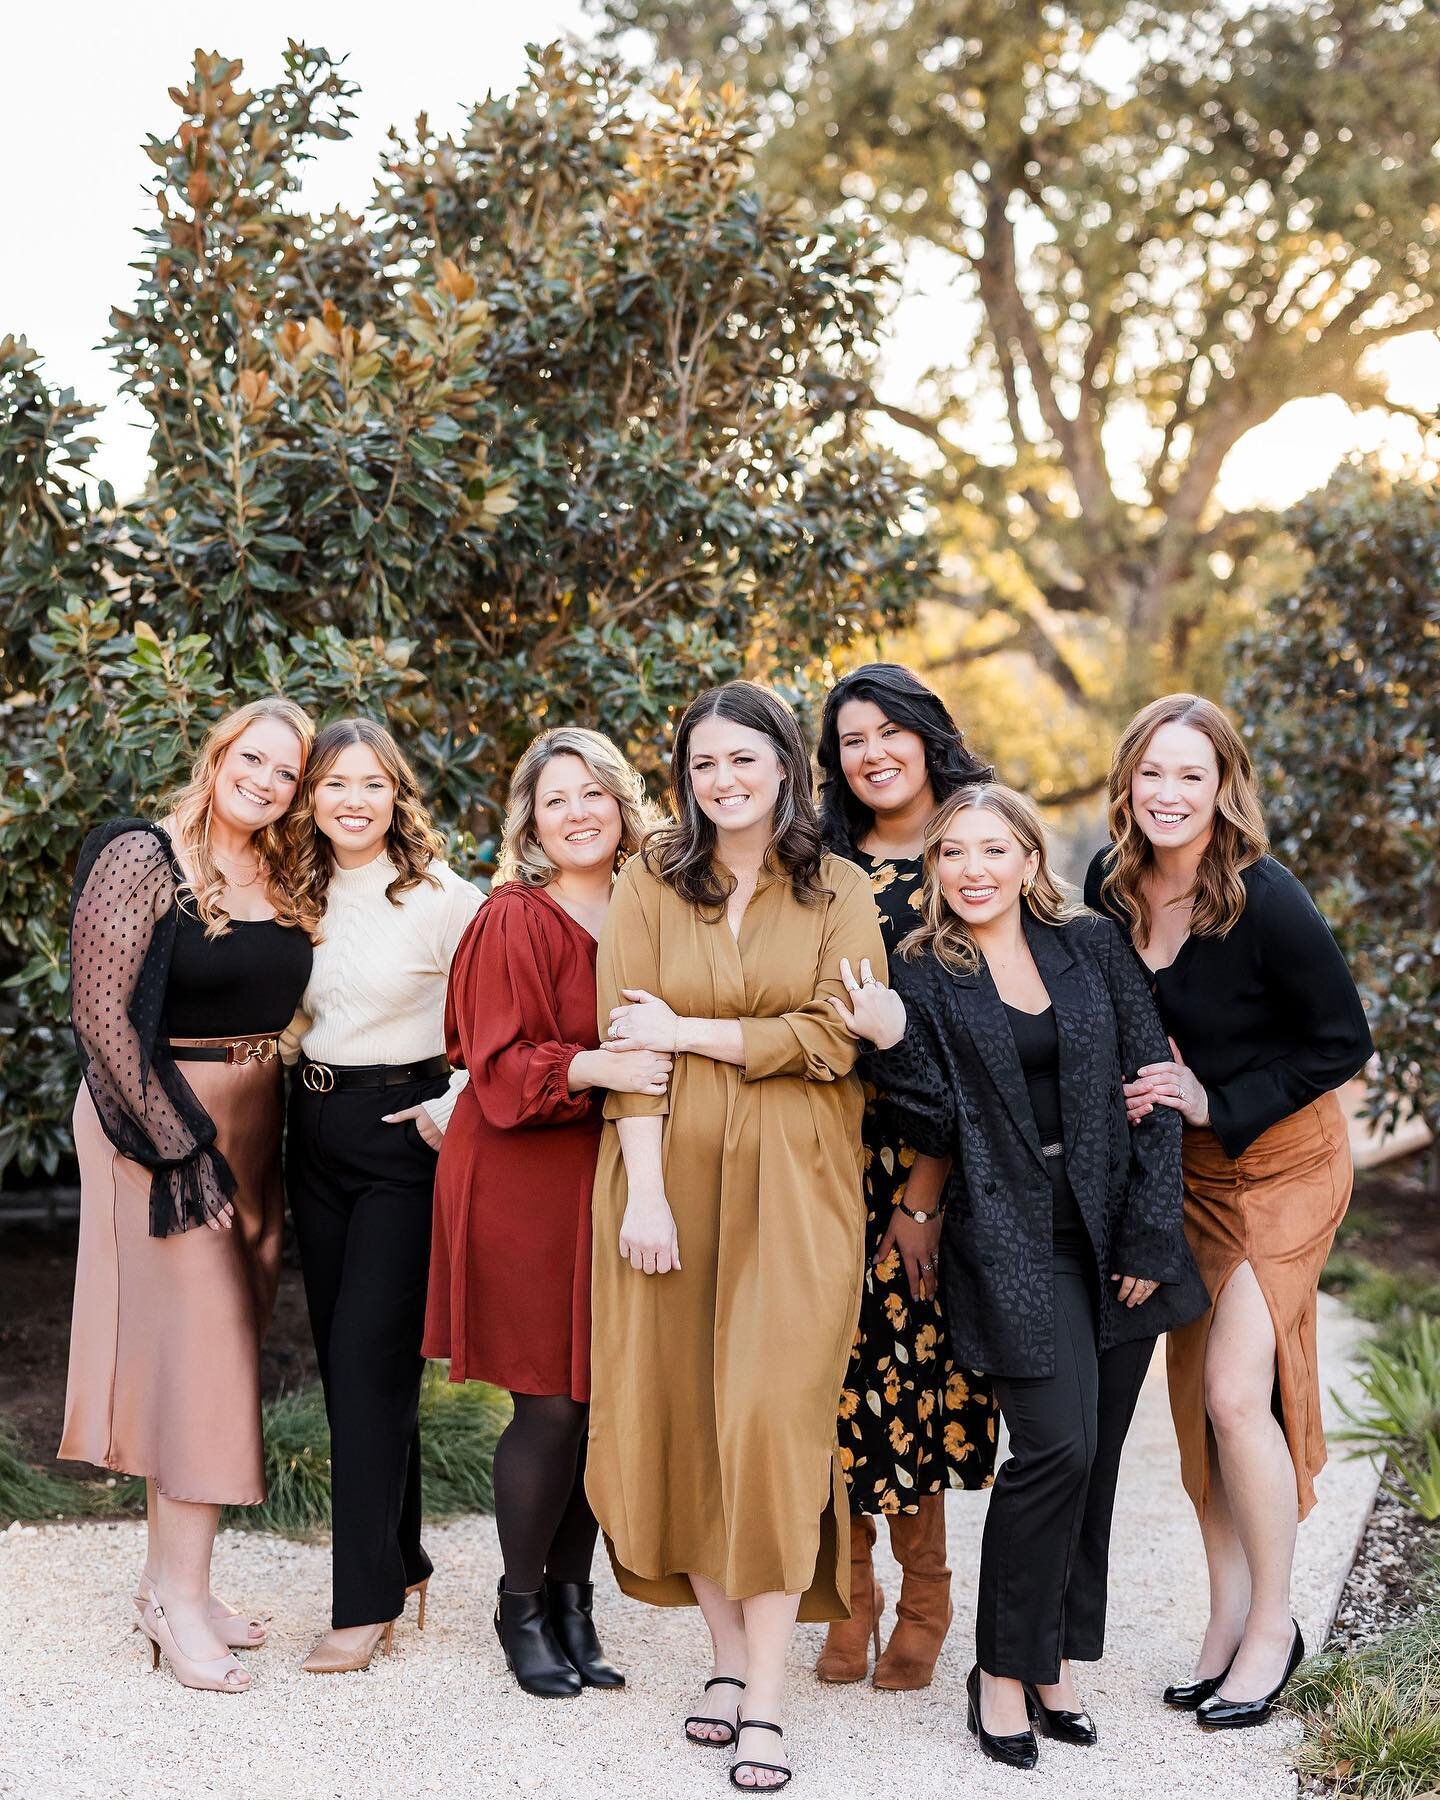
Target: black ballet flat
[
  {"x": 1064, "y": 1727},
  {"x": 532, "y": 1654},
  {"x": 1217, "y": 1714},
  {"x": 749, "y": 1762},
  {"x": 1187, "y": 1695},
  {"x": 709, "y": 1743},
  {"x": 570, "y": 1604},
  {"x": 1018, "y": 1751}
]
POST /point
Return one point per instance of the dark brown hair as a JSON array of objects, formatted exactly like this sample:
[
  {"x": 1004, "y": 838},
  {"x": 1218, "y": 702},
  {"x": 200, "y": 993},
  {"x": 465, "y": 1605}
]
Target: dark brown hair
[{"x": 682, "y": 852}]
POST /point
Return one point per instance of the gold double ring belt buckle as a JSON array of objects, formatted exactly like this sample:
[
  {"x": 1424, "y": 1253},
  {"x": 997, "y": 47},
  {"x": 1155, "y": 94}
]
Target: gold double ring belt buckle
[
  {"x": 319, "y": 1078},
  {"x": 248, "y": 1050}
]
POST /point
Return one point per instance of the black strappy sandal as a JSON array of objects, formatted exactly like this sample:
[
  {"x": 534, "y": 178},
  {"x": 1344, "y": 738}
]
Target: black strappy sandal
[
  {"x": 708, "y": 1743},
  {"x": 749, "y": 1762}
]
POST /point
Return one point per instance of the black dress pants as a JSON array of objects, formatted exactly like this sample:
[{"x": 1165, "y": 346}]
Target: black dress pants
[
  {"x": 1045, "y": 1555},
  {"x": 361, "y": 1192}
]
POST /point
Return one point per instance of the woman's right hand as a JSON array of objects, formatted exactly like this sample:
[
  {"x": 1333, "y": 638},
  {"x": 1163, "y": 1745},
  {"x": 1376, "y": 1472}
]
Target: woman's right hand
[
  {"x": 626, "y": 1070},
  {"x": 648, "y": 1236}
]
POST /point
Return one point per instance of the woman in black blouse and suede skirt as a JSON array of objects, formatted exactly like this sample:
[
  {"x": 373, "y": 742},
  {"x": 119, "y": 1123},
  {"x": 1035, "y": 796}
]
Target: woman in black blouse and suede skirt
[
  {"x": 1062, "y": 1253},
  {"x": 1264, "y": 1024}
]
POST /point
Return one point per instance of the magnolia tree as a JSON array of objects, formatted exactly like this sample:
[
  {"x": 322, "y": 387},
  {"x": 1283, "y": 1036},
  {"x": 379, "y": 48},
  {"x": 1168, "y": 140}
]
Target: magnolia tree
[
  {"x": 1340, "y": 698},
  {"x": 533, "y": 441}
]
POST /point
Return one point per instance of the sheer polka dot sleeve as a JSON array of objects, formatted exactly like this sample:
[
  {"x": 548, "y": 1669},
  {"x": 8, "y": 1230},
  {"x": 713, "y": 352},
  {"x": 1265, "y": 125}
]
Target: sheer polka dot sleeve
[{"x": 122, "y": 933}]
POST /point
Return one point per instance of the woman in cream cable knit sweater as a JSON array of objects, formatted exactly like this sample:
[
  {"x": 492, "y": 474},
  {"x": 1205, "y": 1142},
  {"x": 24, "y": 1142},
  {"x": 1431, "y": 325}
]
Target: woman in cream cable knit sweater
[{"x": 367, "y": 1114}]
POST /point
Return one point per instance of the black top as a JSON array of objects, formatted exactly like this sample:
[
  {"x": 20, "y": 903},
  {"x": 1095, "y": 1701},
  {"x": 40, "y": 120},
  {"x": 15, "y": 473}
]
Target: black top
[
  {"x": 956, "y": 1087},
  {"x": 1037, "y": 1044},
  {"x": 1268, "y": 1016},
  {"x": 244, "y": 984}
]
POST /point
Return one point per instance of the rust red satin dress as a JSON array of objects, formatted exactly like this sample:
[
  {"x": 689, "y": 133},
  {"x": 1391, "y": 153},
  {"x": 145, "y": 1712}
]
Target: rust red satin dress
[{"x": 509, "y": 1295}]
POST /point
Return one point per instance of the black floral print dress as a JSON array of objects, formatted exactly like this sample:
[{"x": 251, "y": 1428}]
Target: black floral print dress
[{"x": 911, "y": 1423}]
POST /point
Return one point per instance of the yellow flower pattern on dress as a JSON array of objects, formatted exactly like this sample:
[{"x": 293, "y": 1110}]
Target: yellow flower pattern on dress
[{"x": 910, "y": 1423}]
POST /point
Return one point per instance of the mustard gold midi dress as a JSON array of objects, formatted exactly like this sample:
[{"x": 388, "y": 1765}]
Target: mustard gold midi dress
[{"x": 713, "y": 1445}]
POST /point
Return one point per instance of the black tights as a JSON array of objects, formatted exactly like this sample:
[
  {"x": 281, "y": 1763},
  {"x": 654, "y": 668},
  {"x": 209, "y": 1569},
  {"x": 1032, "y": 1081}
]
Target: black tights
[{"x": 545, "y": 1523}]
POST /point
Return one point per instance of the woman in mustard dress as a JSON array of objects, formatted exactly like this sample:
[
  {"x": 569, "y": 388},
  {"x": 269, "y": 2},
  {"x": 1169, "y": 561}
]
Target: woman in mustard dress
[{"x": 729, "y": 1216}]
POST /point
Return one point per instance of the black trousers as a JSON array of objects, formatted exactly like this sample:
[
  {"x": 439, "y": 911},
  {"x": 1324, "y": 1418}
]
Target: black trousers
[
  {"x": 1045, "y": 1556},
  {"x": 360, "y": 1192}
]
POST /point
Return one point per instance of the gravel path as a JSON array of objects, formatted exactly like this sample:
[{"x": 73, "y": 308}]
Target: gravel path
[{"x": 81, "y": 1714}]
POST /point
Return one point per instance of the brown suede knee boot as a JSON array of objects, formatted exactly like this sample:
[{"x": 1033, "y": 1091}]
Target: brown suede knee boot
[
  {"x": 923, "y": 1612},
  {"x": 846, "y": 1655}
]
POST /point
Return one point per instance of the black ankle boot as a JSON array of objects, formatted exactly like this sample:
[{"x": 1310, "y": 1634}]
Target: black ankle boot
[
  {"x": 570, "y": 1603},
  {"x": 532, "y": 1654}
]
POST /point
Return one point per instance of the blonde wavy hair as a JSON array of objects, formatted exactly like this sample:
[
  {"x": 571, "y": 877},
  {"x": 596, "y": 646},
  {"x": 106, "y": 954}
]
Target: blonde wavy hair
[
  {"x": 412, "y": 842},
  {"x": 1238, "y": 837},
  {"x": 521, "y": 858},
  {"x": 189, "y": 811},
  {"x": 1050, "y": 899}
]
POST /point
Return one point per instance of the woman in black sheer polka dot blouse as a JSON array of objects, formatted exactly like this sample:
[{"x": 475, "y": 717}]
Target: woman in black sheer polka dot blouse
[{"x": 188, "y": 955}]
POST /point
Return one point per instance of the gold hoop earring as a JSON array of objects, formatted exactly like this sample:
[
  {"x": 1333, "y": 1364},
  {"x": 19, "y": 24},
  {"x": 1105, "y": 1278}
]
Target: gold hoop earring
[{"x": 1026, "y": 887}]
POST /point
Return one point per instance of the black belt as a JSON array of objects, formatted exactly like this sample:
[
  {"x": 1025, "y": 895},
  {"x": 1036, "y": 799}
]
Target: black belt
[
  {"x": 329, "y": 1078},
  {"x": 238, "y": 1050}
]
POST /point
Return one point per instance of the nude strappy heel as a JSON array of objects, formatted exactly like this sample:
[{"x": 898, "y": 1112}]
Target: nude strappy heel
[
  {"x": 220, "y": 1675},
  {"x": 228, "y": 1625}
]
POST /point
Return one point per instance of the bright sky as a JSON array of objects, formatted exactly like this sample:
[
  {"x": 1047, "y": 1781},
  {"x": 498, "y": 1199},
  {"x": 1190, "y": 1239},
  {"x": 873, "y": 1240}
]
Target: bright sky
[{"x": 94, "y": 82}]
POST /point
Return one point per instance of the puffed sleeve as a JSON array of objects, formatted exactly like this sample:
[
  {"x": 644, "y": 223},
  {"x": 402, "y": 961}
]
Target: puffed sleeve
[
  {"x": 813, "y": 1041},
  {"x": 1315, "y": 995},
  {"x": 122, "y": 935},
  {"x": 909, "y": 1078},
  {"x": 501, "y": 1016},
  {"x": 1150, "y": 1241},
  {"x": 629, "y": 957}
]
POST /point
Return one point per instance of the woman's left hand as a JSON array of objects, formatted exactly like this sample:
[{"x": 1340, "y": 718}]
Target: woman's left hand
[
  {"x": 647, "y": 1023},
  {"x": 1134, "y": 1290},
  {"x": 875, "y": 1011},
  {"x": 433, "y": 1134},
  {"x": 1173, "y": 1084}
]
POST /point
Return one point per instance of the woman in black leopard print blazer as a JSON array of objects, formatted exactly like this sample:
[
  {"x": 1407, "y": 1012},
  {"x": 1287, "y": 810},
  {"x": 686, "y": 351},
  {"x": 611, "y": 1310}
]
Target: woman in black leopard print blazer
[{"x": 1062, "y": 1251}]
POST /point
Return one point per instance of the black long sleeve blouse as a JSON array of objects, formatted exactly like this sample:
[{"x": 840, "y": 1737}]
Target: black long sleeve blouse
[{"x": 1267, "y": 1017}]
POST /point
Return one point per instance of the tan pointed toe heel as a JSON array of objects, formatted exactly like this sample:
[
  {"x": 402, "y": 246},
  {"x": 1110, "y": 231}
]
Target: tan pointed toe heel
[
  {"x": 328, "y": 1659},
  {"x": 420, "y": 1588}
]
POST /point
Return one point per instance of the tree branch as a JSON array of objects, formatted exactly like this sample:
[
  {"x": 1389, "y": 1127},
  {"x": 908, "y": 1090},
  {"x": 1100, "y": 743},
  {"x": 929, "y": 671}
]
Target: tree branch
[{"x": 1030, "y": 636}]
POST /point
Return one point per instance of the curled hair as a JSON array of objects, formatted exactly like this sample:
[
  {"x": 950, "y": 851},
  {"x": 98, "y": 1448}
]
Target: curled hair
[
  {"x": 1237, "y": 838},
  {"x": 1051, "y": 900},
  {"x": 682, "y": 851},
  {"x": 412, "y": 842},
  {"x": 907, "y": 702},
  {"x": 521, "y": 857},
  {"x": 190, "y": 808}
]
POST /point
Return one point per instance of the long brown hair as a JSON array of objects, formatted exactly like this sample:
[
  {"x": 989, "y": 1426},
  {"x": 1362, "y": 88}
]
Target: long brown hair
[
  {"x": 191, "y": 806},
  {"x": 1050, "y": 899},
  {"x": 682, "y": 852},
  {"x": 412, "y": 842},
  {"x": 1237, "y": 838},
  {"x": 521, "y": 858}
]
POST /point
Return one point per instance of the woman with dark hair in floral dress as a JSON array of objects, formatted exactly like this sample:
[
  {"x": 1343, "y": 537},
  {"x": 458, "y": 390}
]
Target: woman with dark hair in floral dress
[{"x": 911, "y": 1423}]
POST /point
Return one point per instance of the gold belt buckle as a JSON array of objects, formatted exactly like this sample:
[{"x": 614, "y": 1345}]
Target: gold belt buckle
[
  {"x": 319, "y": 1078},
  {"x": 246, "y": 1050}
]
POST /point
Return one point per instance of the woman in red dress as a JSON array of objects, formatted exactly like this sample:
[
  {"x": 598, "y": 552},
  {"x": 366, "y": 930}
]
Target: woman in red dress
[{"x": 509, "y": 1298}]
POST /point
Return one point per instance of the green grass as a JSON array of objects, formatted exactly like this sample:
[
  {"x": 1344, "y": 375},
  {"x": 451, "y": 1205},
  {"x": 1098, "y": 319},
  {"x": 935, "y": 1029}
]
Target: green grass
[
  {"x": 1372, "y": 1720},
  {"x": 459, "y": 1425}
]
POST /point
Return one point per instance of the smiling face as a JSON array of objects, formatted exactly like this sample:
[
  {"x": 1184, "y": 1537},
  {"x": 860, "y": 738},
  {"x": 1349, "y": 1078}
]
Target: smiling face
[
  {"x": 258, "y": 776},
  {"x": 883, "y": 763},
  {"x": 982, "y": 867},
  {"x": 735, "y": 774},
  {"x": 354, "y": 805},
  {"x": 577, "y": 821},
  {"x": 1174, "y": 788}
]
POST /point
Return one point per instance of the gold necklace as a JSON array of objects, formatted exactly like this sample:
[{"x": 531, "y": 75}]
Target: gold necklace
[{"x": 230, "y": 881}]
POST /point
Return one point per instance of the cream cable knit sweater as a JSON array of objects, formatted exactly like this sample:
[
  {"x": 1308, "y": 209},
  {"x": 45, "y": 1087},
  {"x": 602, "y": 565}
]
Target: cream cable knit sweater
[{"x": 377, "y": 986}]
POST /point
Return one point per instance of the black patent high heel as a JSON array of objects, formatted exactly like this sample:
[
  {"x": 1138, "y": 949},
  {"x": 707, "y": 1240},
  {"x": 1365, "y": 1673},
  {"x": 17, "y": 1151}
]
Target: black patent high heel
[
  {"x": 709, "y": 1743},
  {"x": 1187, "y": 1695},
  {"x": 749, "y": 1762},
  {"x": 1018, "y": 1750},
  {"x": 1219, "y": 1714},
  {"x": 1055, "y": 1722}
]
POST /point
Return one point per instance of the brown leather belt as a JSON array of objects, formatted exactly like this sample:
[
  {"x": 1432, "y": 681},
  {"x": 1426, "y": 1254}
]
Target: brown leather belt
[{"x": 238, "y": 1050}]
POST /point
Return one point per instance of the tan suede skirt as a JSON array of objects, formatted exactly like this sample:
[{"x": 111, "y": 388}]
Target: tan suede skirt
[
  {"x": 1276, "y": 1206},
  {"x": 165, "y": 1344}
]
